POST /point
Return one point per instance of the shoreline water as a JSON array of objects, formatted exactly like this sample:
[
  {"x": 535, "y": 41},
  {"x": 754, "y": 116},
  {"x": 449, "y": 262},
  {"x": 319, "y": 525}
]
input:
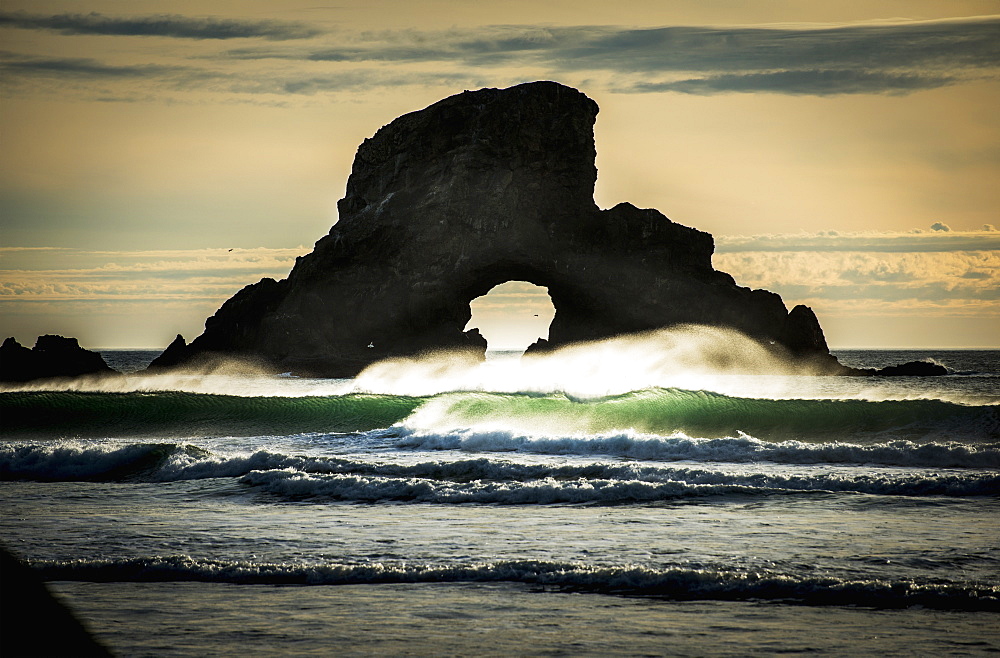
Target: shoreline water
[{"x": 186, "y": 619}]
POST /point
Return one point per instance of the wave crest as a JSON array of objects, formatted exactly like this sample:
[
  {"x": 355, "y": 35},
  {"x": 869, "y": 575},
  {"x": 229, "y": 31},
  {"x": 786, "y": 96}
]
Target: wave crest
[
  {"x": 672, "y": 583},
  {"x": 493, "y": 479},
  {"x": 654, "y": 411},
  {"x": 739, "y": 449}
]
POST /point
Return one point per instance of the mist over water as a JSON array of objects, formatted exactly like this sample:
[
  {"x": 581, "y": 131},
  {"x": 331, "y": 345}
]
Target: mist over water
[{"x": 690, "y": 357}]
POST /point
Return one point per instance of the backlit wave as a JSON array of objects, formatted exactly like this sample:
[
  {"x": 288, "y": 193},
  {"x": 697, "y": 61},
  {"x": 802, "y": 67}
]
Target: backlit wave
[{"x": 697, "y": 413}]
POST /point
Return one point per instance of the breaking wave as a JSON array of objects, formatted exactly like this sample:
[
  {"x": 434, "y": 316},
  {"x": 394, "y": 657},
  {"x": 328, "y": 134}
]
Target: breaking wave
[
  {"x": 739, "y": 449},
  {"x": 707, "y": 414},
  {"x": 494, "y": 480},
  {"x": 654, "y": 411},
  {"x": 551, "y": 491},
  {"x": 676, "y": 583}
]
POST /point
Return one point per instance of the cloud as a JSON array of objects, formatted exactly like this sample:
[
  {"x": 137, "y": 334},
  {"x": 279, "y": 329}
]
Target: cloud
[
  {"x": 942, "y": 44},
  {"x": 878, "y": 271},
  {"x": 94, "y": 79},
  {"x": 196, "y": 274},
  {"x": 20, "y": 71},
  {"x": 914, "y": 283},
  {"x": 77, "y": 67},
  {"x": 354, "y": 80},
  {"x": 80, "y": 260},
  {"x": 12, "y": 250},
  {"x": 892, "y": 58},
  {"x": 161, "y": 25},
  {"x": 940, "y": 226},
  {"x": 801, "y": 82},
  {"x": 913, "y": 241},
  {"x": 889, "y": 58},
  {"x": 904, "y": 274},
  {"x": 938, "y": 44}
]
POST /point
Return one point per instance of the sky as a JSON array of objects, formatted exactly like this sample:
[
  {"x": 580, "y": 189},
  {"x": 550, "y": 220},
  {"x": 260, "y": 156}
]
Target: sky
[{"x": 157, "y": 156}]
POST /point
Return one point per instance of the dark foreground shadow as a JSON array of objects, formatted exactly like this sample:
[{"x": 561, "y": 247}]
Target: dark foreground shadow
[{"x": 32, "y": 621}]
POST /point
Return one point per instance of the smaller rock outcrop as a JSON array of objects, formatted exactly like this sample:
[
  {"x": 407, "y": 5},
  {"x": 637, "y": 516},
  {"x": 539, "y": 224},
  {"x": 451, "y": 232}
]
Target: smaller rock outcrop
[
  {"x": 52, "y": 356},
  {"x": 172, "y": 356}
]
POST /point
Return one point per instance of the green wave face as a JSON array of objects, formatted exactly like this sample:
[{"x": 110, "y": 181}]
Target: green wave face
[
  {"x": 189, "y": 414},
  {"x": 654, "y": 411},
  {"x": 712, "y": 415}
]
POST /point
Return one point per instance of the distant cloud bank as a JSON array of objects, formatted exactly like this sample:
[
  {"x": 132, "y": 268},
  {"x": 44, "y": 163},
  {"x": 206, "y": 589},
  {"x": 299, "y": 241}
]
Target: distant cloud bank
[
  {"x": 926, "y": 273},
  {"x": 940, "y": 238},
  {"x": 193, "y": 274},
  {"x": 920, "y": 273},
  {"x": 173, "y": 26},
  {"x": 889, "y": 58}
]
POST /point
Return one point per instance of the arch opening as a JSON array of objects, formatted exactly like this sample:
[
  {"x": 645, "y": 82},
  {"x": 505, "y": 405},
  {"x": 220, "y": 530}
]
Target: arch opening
[{"x": 511, "y": 316}]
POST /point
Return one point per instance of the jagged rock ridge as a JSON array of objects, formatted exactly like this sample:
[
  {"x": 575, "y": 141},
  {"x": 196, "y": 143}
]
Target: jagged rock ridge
[{"x": 478, "y": 189}]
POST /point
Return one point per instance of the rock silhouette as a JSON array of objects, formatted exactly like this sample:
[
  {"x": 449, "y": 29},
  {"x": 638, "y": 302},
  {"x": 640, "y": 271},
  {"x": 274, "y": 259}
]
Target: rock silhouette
[
  {"x": 52, "y": 356},
  {"x": 175, "y": 354},
  {"x": 478, "y": 189}
]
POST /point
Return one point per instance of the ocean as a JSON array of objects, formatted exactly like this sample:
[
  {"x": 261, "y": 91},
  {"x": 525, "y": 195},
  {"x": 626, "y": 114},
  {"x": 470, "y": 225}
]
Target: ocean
[{"x": 612, "y": 500}]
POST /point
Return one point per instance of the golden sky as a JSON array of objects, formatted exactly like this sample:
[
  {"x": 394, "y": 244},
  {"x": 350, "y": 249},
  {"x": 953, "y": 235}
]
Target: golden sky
[{"x": 845, "y": 155}]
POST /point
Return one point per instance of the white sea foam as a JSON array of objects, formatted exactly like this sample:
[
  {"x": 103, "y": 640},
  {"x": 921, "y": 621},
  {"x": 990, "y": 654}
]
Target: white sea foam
[
  {"x": 73, "y": 461},
  {"x": 484, "y": 480},
  {"x": 742, "y": 448},
  {"x": 549, "y": 490},
  {"x": 671, "y": 582}
]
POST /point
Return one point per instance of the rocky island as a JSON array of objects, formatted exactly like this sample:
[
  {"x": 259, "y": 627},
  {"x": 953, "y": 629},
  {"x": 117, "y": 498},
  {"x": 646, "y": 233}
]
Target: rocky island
[
  {"x": 51, "y": 357},
  {"x": 442, "y": 205},
  {"x": 478, "y": 189}
]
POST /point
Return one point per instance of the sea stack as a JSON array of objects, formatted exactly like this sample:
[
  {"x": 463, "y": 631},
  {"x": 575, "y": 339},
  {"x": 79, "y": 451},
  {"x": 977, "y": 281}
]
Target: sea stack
[
  {"x": 52, "y": 356},
  {"x": 478, "y": 189}
]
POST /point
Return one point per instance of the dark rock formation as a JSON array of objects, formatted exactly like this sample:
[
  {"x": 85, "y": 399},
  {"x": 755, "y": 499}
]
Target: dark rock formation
[
  {"x": 476, "y": 190},
  {"x": 52, "y": 356},
  {"x": 175, "y": 354}
]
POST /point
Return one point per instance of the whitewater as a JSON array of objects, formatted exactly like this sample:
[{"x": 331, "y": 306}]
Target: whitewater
[{"x": 648, "y": 496}]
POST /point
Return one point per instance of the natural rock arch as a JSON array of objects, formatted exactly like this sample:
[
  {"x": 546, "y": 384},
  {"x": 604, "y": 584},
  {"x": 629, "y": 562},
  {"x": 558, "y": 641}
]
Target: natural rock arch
[
  {"x": 513, "y": 325},
  {"x": 480, "y": 188}
]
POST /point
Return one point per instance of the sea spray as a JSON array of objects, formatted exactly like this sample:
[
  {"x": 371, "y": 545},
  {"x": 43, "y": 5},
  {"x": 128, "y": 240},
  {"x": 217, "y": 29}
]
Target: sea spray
[{"x": 687, "y": 356}]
